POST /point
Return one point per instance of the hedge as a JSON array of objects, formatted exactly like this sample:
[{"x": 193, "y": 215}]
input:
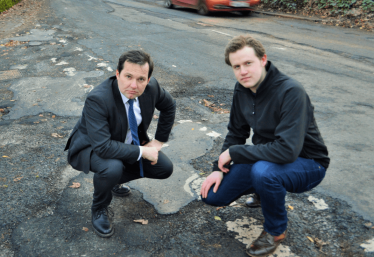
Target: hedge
[
  {"x": 337, "y": 7},
  {"x": 6, "y": 4}
]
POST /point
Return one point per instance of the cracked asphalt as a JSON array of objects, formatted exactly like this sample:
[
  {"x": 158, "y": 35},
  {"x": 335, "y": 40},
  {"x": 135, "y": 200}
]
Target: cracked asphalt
[{"x": 54, "y": 52}]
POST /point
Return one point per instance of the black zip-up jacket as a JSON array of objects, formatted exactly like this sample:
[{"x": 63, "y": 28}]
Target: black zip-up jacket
[{"x": 281, "y": 116}]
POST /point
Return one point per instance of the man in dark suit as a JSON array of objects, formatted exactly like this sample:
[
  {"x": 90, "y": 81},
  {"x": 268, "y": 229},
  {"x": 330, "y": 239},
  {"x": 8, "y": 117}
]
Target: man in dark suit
[
  {"x": 288, "y": 152},
  {"x": 111, "y": 140}
]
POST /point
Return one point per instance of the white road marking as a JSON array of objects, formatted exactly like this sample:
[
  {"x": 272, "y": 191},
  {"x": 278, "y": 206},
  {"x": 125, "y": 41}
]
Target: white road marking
[
  {"x": 368, "y": 246},
  {"x": 91, "y": 58},
  {"x": 213, "y": 134},
  {"x": 62, "y": 63},
  {"x": 184, "y": 121},
  {"x": 221, "y": 33},
  {"x": 70, "y": 71},
  {"x": 318, "y": 203},
  {"x": 248, "y": 232},
  {"x": 187, "y": 187},
  {"x": 102, "y": 64}
]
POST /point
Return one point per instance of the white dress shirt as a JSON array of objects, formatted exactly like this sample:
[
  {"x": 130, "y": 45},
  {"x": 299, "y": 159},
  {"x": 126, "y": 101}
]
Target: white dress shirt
[{"x": 138, "y": 117}]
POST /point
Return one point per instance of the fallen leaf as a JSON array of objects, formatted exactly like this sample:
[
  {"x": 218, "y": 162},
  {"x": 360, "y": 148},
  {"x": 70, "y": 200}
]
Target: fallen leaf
[
  {"x": 166, "y": 201},
  {"x": 207, "y": 103},
  {"x": 2, "y": 110},
  {"x": 5, "y": 185},
  {"x": 290, "y": 207},
  {"x": 210, "y": 95},
  {"x": 37, "y": 176},
  {"x": 85, "y": 229},
  {"x": 202, "y": 173},
  {"x": 40, "y": 115},
  {"x": 57, "y": 159},
  {"x": 87, "y": 86},
  {"x": 217, "y": 218},
  {"x": 192, "y": 129},
  {"x": 36, "y": 122},
  {"x": 310, "y": 239},
  {"x": 75, "y": 185},
  {"x": 53, "y": 116},
  {"x": 56, "y": 135},
  {"x": 220, "y": 208},
  {"x": 142, "y": 221},
  {"x": 4, "y": 156},
  {"x": 34, "y": 104},
  {"x": 43, "y": 120},
  {"x": 17, "y": 179}
]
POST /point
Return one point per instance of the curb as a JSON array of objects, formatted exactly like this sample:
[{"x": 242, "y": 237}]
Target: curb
[{"x": 288, "y": 16}]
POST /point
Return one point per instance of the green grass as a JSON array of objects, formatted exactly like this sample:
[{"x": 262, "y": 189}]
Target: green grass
[{"x": 6, "y": 4}]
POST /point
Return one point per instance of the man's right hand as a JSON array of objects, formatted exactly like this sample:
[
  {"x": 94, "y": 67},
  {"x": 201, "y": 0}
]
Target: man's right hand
[
  {"x": 150, "y": 153},
  {"x": 214, "y": 178}
]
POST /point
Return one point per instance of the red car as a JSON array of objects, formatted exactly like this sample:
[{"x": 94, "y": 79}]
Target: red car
[{"x": 204, "y": 7}]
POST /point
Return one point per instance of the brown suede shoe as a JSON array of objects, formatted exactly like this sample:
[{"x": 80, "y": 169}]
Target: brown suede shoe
[{"x": 265, "y": 244}]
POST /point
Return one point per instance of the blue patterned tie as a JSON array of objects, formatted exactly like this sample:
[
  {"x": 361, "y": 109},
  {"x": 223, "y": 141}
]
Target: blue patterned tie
[{"x": 134, "y": 131}]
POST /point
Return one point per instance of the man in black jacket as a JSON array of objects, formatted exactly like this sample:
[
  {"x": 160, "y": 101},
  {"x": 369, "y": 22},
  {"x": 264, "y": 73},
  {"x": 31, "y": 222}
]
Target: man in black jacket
[
  {"x": 111, "y": 140},
  {"x": 288, "y": 152}
]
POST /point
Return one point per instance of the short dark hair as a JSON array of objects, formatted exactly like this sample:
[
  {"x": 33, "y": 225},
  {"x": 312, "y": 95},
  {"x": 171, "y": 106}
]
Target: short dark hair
[
  {"x": 137, "y": 57},
  {"x": 239, "y": 42}
]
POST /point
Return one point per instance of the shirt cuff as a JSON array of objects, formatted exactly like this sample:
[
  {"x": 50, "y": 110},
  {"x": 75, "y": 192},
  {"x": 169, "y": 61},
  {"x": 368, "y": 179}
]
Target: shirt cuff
[{"x": 140, "y": 153}]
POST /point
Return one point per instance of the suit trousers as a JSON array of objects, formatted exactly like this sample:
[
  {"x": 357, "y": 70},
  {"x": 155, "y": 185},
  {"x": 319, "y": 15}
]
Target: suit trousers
[
  {"x": 110, "y": 172},
  {"x": 270, "y": 181}
]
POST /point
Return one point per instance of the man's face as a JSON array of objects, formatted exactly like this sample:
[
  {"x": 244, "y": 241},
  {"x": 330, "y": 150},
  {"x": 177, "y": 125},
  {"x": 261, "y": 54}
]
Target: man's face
[
  {"x": 249, "y": 70},
  {"x": 133, "y": 79}
]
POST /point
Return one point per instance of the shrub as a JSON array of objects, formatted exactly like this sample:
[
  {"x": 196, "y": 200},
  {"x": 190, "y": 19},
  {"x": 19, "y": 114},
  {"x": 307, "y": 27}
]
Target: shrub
[{"x": 6, "y": 4}]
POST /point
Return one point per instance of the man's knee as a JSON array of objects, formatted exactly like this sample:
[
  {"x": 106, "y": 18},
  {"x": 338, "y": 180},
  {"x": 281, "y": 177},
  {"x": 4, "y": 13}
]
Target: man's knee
[
  {"x": 214, "y": 199},
  {"x": 167, "y": 170},
  {"x": 262, "y": 174},
  {"x": 111, "y": 170}
]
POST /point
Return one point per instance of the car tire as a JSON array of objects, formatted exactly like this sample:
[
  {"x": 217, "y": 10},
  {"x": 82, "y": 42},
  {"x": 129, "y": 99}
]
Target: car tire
[
  {"x": 202, "y": 8},
  {"x": 168, "y": 4},
  {"x": 246, "y": 13}
]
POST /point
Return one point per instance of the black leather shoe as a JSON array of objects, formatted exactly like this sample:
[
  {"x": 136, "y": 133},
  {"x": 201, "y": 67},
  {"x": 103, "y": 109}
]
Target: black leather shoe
[
  {"x": 101, "y": 223},
  {"x": 253, "y": 201},
  {"x": 265, "y": 244},
  {"x": 121, "y": 190}
]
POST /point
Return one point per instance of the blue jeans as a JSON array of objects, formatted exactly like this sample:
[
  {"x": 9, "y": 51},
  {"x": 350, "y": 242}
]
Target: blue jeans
[{"x": 270, "y": 181}]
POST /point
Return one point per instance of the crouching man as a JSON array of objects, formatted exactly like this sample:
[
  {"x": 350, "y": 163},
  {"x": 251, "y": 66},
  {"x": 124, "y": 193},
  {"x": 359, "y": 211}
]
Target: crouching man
[
  {"x": 111, "y": 140},
  {"x": 288, "y": 152}
]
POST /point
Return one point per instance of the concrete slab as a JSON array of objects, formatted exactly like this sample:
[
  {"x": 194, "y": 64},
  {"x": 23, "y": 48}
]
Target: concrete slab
[
  {"x": 168, "y": 196},
  {"x": 36, "y": 35},
  {"x": 61, "y": 96}
]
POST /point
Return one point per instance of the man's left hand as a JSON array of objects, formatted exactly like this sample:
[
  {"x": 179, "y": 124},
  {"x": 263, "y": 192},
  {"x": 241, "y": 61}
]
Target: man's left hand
[
  {"x": 155, "y": 143},
  {"x": 224, "y": 159}
]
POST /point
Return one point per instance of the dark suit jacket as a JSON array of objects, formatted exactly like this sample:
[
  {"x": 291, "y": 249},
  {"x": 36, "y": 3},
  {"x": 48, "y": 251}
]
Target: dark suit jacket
[{"x": 103, "y": 125}]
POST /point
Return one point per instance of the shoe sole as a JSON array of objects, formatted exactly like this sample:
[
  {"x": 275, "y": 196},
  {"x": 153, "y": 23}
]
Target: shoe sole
[
  {"x": 103, "y": 235},
  {"x": 121, "y": 195}
]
